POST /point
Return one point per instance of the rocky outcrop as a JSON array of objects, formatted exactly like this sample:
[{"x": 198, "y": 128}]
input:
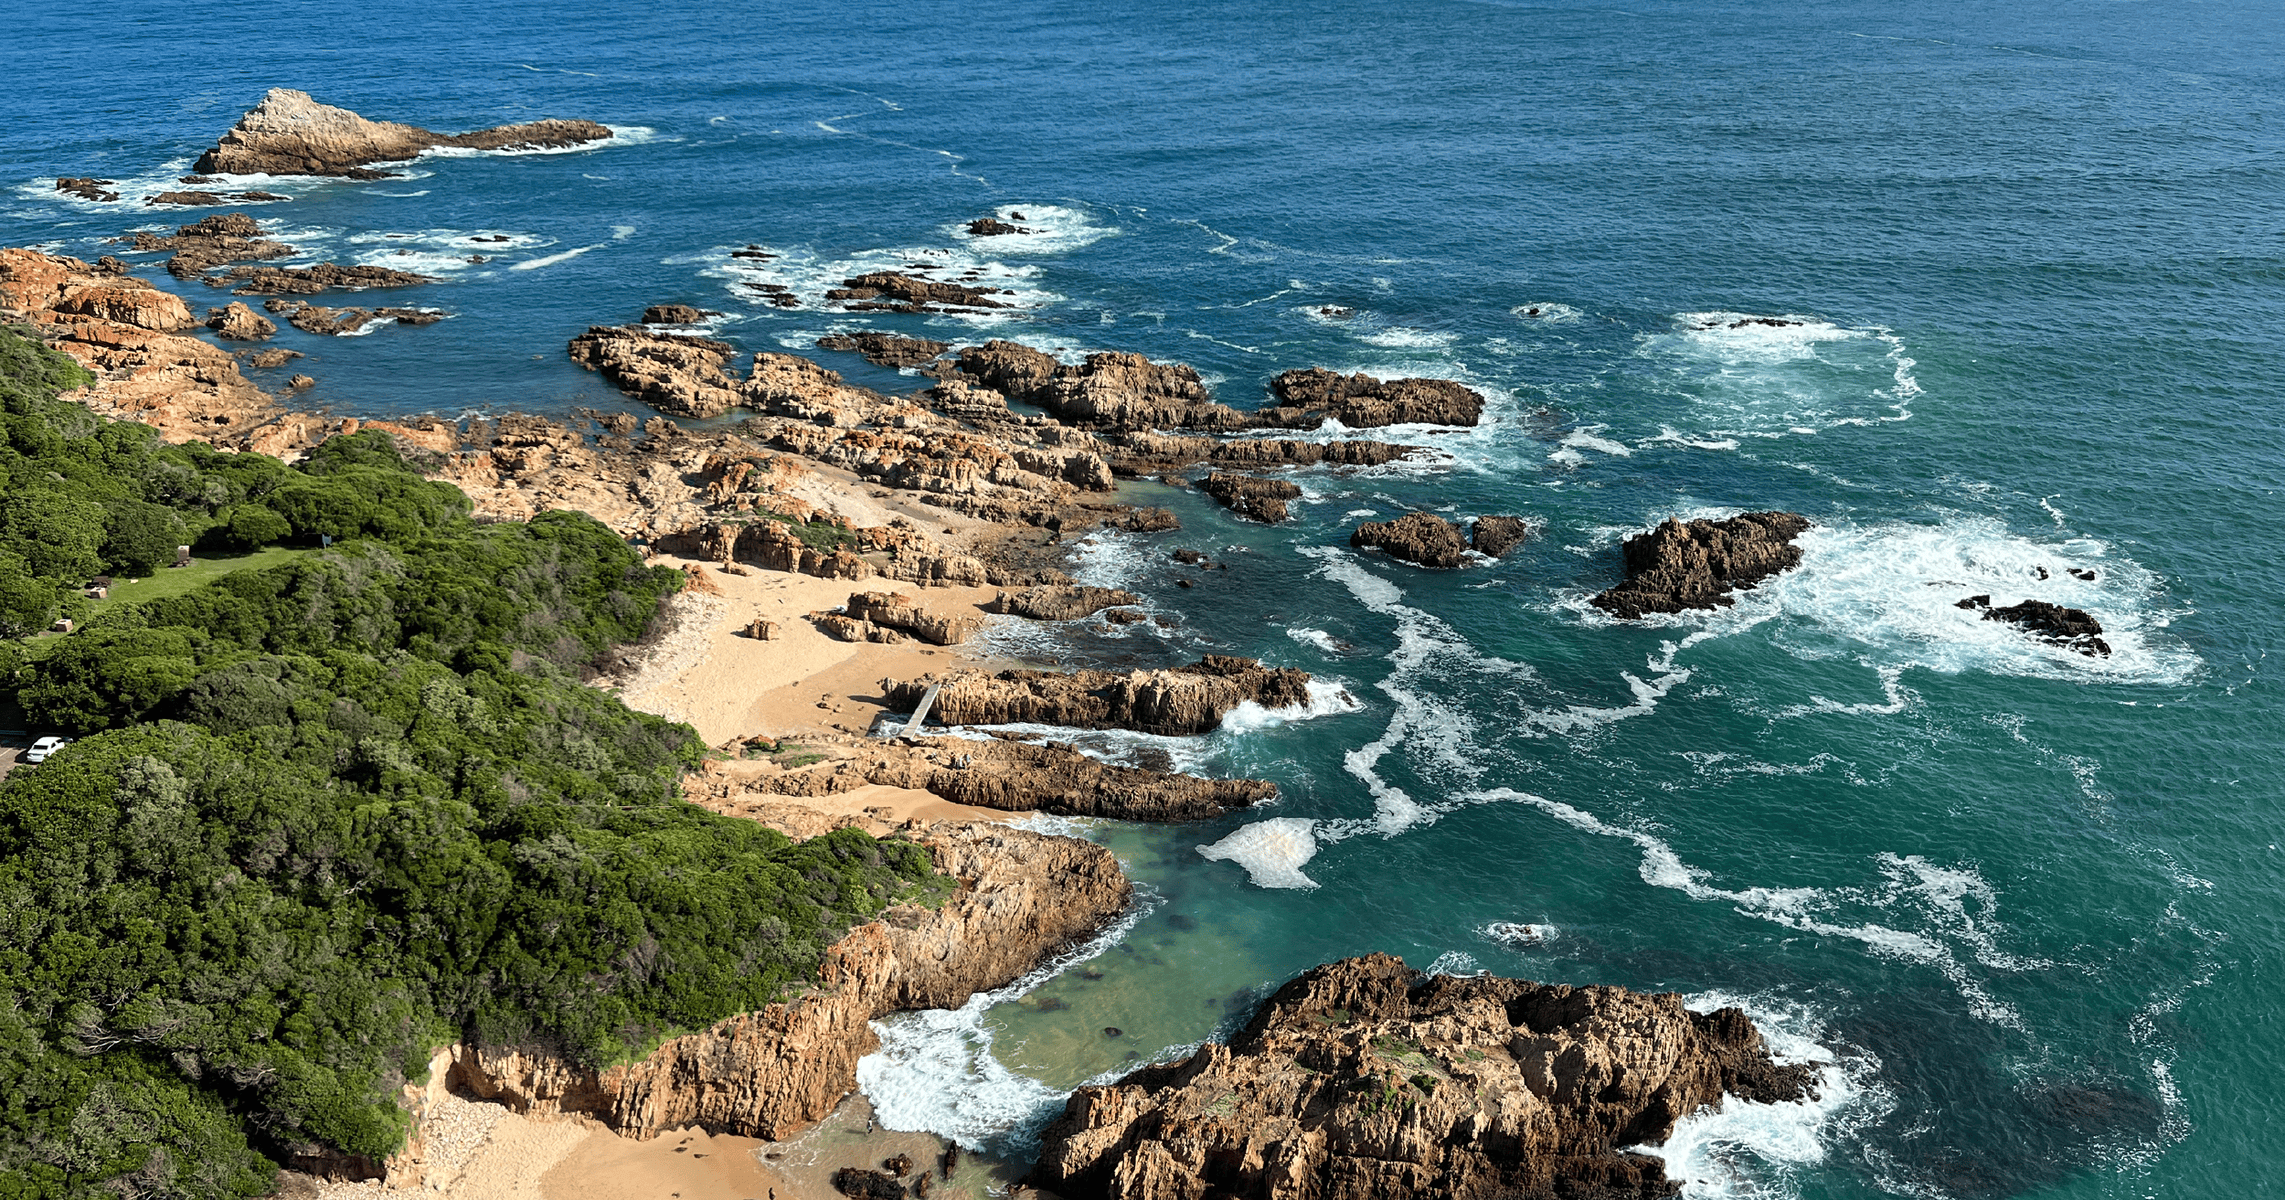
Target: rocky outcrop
[
  {"x": 2071, "y": 628},
  {"x": 1680, "y": 565},
  {"x": 290, "y": 134},
  {"x": 1181, "y": 701},
  {"x": 907, "y": 615},
  {"x": 768, "y": 1074},
  {"x": 886, "y": 291},
  {"x": 676, "y": 314},
  {"x": 305, "y": 281},
  {"x": 885, "y": 349},
  {"x": 1366, "y": 1080},
  {"x": 128, "y": 333},
  {"x": 341, "y": 322},
  {"x": 1004, "y": 774},
  {"x": 1493, "y": 537},
  {"x": 988, "y": 227},
  {"x": 1062, "y": 602},
  {"x": 1420, "y": 537},
  {"x": 686, "y": 376},
  {"x": 1108, "y": 391},
  {"x": 1137, "y": 454},
  {"x": 98, "y": 190},
  {"x": 1251, "y": 497},
  {"x": 239, "y": 323},
  {"x": 1306, "y": 399},
  {"x": 214, "y": 241}
]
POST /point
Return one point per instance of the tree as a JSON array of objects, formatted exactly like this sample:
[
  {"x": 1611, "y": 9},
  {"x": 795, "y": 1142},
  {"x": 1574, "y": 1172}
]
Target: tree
[
  {"x": 253, "y": 526},
  {"x": 59, "y": 537},
  {"x": 139, "y": 535}
]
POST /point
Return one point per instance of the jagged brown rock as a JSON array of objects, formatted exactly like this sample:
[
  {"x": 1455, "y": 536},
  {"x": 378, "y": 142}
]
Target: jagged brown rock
[
  {"x": 1418, "y": 537},
  {"x": 272, "y": 357},
  {"x": 768, "y": 1074},
  {"x": 1365, "y": 1080},
  {"x": 1137, "y": 454},
  {"x": 885, "y": 349},
  {"x": 687, "y": 376},
  {"x": 993, "y": 227},
  {"x": 1004, "y": 774},
  {"x": 211, "y": 242},
  {"x": 676, "y": 314},
  {"x": 886, "y": 291},
  {"x": 85, "y": 188},
  {"x": 288, "y": 133},
  {"x": 239, "y": 323},
  {"x": 1179, "y": 701},
  {"x": 203, "y": 199},
  {"x": 1306, "y": 399},
  {"x": 1062, "y": 602},
  {"x": 1251, "y": 497},
  {"x": 1681, "y": 566},
  {"x": 892, "y": 611},
  {"x": 304, "y": 281},
  {"x": 1495, "y": 536},
  {"x": 340, "y": 322},
  {"x": 2073, "y": 628}
]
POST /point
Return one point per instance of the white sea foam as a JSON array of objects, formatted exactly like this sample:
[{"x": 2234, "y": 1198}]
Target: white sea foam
[
  {"x": 1742, "y": 1148},
  {"x": 1547, "y": 313},
  {"x": 1665, "y": 676},
  {"x": 1051, "y": 229},
  {"x": 1668, "y": 436},
  {"x": 1403, "y": 337},
  {"x": 1588, "y": 439},
  {"x": 1272, "y": 852},
  {"x": 1832, "y": 912},
  {"x": 621, "y": 135},
  {"x": 1518, "y": 933},
  {"x": 808, "y": 277},
  {"x": 1326, "y": 698},
  {"x": 1754, "y": 376},
  {"x": 1316, "y": 637},
  {"x": 1455, "y": 962},
  {"x": 549, "y": 260},
  {"x": 935, "y": 1070}
]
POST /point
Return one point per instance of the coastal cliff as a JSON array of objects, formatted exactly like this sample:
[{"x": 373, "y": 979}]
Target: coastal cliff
[
  {"x": 1366, "y": 1080},
  {"x": 1019, "y": 897}
]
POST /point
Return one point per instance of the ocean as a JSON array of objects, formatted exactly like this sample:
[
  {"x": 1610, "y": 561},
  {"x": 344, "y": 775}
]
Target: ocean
[{"x": 2022, "y": 904}]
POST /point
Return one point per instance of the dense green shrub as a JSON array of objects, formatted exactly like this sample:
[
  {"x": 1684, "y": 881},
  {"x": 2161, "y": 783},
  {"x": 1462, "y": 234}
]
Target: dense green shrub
[{"x": 333, "y": 813}]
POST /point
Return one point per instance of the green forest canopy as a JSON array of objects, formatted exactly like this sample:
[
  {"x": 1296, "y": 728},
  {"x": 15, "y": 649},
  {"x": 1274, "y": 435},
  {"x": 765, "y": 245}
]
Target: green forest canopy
[{"x": 328, "y": 815}]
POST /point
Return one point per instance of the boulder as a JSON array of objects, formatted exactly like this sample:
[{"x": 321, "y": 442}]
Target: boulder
[
  {"x": 1695, "y": 565},
  {"x": 1495, "y": 536},
  {"x": 1251, "y": 497},
  {"x": 1420, "y": 537},
  {"x": 239, "y": 323},
  {"x": 1366, "y": 1080},
  {"x": 288, "y": 133},
  {"x": 676, "y": 314}
]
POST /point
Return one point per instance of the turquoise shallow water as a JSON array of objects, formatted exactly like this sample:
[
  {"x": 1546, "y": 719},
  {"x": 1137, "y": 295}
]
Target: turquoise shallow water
[{"x": 2026, "y": 903}]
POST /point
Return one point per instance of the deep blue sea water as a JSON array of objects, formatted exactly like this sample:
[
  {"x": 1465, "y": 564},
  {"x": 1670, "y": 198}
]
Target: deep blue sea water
[{"x": 2025, "y": 903}]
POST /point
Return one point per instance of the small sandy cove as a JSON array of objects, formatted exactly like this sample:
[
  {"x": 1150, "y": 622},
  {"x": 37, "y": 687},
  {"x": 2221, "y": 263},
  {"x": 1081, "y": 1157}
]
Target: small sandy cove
[{"x": 705, "y": 670}]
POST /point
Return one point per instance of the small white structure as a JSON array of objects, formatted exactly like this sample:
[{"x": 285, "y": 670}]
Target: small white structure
[{"x": 182, "y": 556}]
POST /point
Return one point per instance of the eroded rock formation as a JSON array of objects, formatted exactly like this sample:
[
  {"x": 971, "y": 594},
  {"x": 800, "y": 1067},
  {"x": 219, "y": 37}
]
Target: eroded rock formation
[
  {"x": 1495, "y": 536},
  {"x": 1062, "y": 602},
  {"x": 885, "y": 349},
  {"x": 770, "y": 1073},
  {"x": 1251, "y": 497},
  {"x": 1419, "y": 537},
  {"x": 907, "y": 615},
  {"x": 1681, "y": 565},
  {"x": 1306, "y": 399},
  {"x": 1179, "y": 701},
  {"x": 288, "y": 133},
  {"x": 236, "y": 322},
  {"x": 886, "y": 291},
  {"x": 1366, "y": 1080}
]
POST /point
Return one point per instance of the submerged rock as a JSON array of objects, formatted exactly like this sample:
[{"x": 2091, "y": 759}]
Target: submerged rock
[
  {"x": 1179, "y": 702},
  {"x": 289, "y": 133},
  {"x": 1690, "y": 565},
  {"x": 993, "y": 227},
  {"x": 1251, "y": 497},
  {"x": 1366, "y": 1080},
  {"x": 887, "y": 291},
  {"x": 1420, "y": 537}
]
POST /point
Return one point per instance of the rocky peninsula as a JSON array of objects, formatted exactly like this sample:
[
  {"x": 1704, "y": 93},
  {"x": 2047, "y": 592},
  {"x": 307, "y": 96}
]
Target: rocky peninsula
[{"x": 1366, "y": 1080}]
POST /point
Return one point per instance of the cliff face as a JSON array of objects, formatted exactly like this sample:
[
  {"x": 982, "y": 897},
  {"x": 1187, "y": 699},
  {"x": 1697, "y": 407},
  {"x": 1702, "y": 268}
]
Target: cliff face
[
  {"x": 766, "y": 1074},
  {"x": 289, "y": 133},
  {"x": 1365, "y": 1080}
]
